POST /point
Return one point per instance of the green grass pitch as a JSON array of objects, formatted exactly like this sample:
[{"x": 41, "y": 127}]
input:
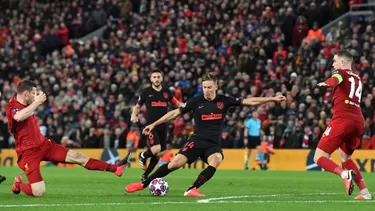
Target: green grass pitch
[{"x": 79, "y": 189}]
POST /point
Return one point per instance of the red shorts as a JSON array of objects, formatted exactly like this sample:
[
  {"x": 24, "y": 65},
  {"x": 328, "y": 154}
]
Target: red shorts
[
  {"x": 29, "y": 160},
  {"x": 341, "y": 133}
]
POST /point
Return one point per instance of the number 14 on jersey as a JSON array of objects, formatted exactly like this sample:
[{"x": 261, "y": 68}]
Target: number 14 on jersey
[{"x": 353, "y": 91}]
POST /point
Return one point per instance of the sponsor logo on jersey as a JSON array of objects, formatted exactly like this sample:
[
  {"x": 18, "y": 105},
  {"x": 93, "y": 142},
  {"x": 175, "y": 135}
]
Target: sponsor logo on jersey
[
  {"x": 159, "y": 104},
  {"x": 211, "y": 116},
  {"x": 351, "y": 103}
]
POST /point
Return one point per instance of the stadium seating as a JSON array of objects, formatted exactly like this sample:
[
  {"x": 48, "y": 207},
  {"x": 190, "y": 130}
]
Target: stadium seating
[{"x": 256, "y": 49}]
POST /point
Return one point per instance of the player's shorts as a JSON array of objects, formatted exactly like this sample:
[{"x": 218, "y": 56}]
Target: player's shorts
[
  {"x": 29, "y": 160},
  {"x": 193, "y": 153},
  {"x": 341, "y": 133},
  {"x": 156, "y": 137},
  {"x": 253, "y": 142}
]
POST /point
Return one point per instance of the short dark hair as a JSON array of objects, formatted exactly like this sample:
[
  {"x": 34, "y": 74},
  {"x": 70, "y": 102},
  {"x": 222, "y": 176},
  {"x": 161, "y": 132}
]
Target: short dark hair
[
  {"x": 157, "y": 70},
  {"x": 25, "y": 85},
  {"x": 345, "y": 54},
  {"x": 210, "y": 77}
]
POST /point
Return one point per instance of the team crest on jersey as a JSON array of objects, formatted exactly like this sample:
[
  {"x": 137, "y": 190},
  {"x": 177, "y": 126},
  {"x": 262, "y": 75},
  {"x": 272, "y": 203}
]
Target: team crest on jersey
[
  {"x": 15, "y": 110},
  {"x": 165, "y": 95},
  {"x": 220, "y": 105}
]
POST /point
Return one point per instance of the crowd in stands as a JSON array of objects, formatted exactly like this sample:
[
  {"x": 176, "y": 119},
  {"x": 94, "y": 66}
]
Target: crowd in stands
[{"x": 257, "y": 48}]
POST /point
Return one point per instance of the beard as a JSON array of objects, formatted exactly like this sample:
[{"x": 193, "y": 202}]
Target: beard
[{"x": 156, "y": 84}]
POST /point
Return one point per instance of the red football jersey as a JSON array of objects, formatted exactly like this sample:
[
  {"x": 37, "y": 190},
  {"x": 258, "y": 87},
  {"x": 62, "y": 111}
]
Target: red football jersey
[
  {"x": 347, "y": 97},
  {"x": 27, "y": 132}
]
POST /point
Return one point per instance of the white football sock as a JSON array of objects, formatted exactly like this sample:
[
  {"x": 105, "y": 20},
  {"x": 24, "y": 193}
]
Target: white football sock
[{"x": 364, "y": 191}]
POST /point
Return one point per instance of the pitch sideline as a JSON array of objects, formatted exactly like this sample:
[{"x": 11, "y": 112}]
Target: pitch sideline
[{"x": 217, "y": 200}]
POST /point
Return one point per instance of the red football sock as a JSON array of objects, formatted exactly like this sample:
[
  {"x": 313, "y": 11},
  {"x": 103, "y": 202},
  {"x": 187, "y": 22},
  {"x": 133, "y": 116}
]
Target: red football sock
[
  {"x": 26, "y": 188},
  {"x": 329, "y": 165},
  {"x": 358, "y": 179},
  {"x": 94, "y": 164}
]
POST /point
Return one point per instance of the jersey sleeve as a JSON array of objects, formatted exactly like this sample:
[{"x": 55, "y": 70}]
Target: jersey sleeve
[
  {"x": 188, "y": 106},
  {"x": 11, "y": 110},
  {"x": 233, "y": 101},
  {"x": 336, "y": 79},
  {"x": 142, "y": 98}
]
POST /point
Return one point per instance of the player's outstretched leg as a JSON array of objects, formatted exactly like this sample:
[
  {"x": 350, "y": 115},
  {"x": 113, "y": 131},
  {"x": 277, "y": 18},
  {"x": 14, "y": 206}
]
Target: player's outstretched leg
[
  {"x": 143, "y": 156},
  {"x": 149, "y": 153},
  {"x": 358, "y": 179},
  {"x": 321, "y": 158},
  {"x": 162, "y": 171},
  {"x": 2, "y": 179},
  {"x": 214, "y": 161},
  {"x": 153, "y": 162},
  {"x": 94, "y": 164}
]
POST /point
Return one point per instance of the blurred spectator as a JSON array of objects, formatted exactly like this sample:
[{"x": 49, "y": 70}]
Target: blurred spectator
[
  {"x": 315, "y": 34},
  {"x": 256, "y": 48}
]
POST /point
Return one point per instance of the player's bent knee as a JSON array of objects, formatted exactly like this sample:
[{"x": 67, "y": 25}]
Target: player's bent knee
[
  {"x": 38, "y": 189},
  {"x": 177, "y": 162},
  {"x": 318, "y": 154},
  {"x": 38, "y": 193},
  {"x": 316, "y": 157},
  {"x": 215, "y": 160},
  {"x": 156, "y": 149},
  {"x": 173, "y": 165},
  {"x": 344, "y": 158}
]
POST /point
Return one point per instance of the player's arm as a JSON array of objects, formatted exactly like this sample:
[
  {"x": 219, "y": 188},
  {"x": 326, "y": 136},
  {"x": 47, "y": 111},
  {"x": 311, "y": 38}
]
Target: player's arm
[
  {"x": 332, "y": 82},
  {"x": 137, "y": 108},
  {"x": 25, "y": 113},
  {"x": 135, "y": 112},
  {"x": 186, "y": 107},
  {"x": 176, "y": 103},
  {"x": 166, "y": 118},
  {"x": 253, "y": 101}
]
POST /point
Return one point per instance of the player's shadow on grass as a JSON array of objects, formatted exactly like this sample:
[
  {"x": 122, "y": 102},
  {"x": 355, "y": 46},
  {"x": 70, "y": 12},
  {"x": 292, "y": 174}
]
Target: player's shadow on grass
[{"x": 146, "y": 195}]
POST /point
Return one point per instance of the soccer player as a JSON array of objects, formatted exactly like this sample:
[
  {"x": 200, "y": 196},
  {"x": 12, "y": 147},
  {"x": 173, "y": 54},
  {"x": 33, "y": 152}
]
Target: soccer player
[
  {"x": 2, "y": 179},
  {"x": 32, "y": 147},
  {"x": 156, "y": 99},
  {"x": 209, "y": 112},
  {"x": 347, "y": 124}
]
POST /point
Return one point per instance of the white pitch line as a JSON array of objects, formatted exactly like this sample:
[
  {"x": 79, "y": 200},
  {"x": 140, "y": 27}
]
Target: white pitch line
[
  {"x": 91, "y": 204},
  {"x": 263, "y": 195},
  {"x": 296, "y": 202},
  {"x": 179, "y": 202},
  {"x": 217, "y": 200}
]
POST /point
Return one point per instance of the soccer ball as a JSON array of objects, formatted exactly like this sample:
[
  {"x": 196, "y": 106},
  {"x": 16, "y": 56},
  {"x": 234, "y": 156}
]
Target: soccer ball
[{"x": 158, "y": 187}]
